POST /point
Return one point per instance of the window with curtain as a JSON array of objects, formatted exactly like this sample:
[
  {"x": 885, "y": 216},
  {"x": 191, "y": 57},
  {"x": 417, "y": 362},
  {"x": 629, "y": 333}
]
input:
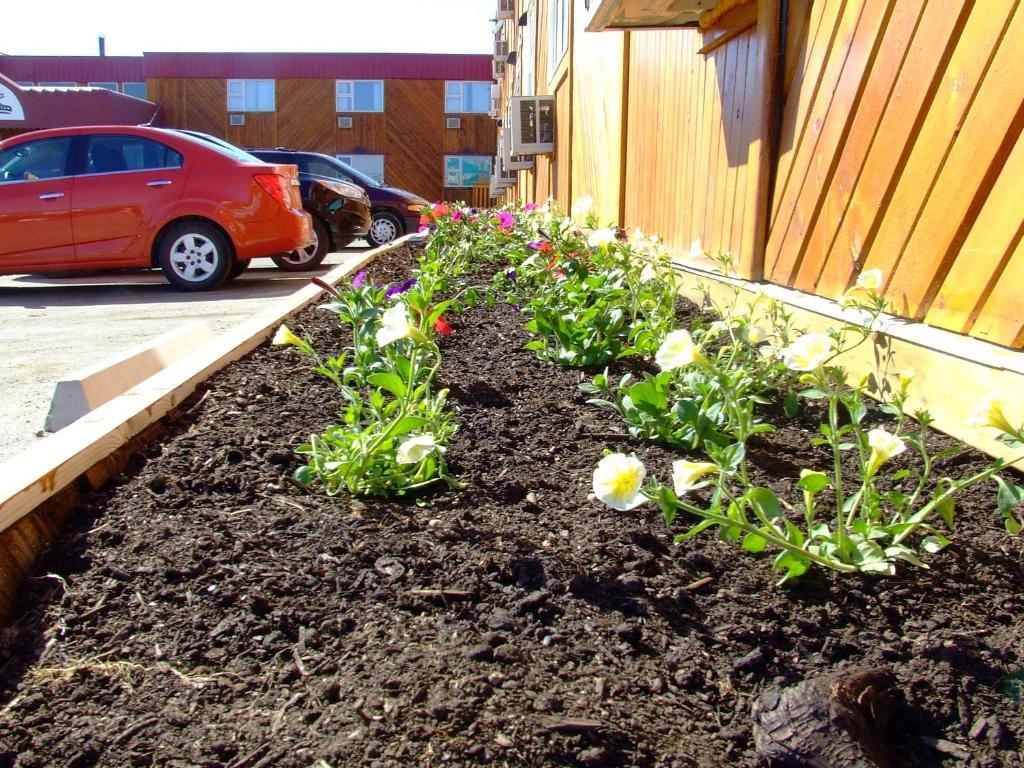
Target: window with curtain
[
  {"x": 251, "y": 96},
  {"x": 359, "y": 95}
]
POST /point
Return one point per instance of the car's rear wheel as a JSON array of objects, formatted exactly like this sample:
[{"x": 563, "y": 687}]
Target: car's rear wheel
[
  {"x": 195, "y": 256},
  {"x": 308, "y": 257},
  {"x": 384, "y": 228}
]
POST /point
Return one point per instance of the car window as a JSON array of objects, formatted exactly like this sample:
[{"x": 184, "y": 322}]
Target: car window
[
  {"x": 34, "y": 160},
  {"x": 110, "y": 154},
  {"x": 319, "y": 167}
]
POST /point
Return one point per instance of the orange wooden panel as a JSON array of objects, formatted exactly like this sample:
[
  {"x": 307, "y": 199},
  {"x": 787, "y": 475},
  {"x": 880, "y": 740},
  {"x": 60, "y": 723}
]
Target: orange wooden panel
[
  {"x": 1002, "y": 316},
  {"x": 367, "y": 136},
  {"x": 562, "y": 159},
  {"x": 824, "y": 143},
  {"x": 905, "y": 29},
  {"x": 943, "y": 120},
  {"x": 206, "y": 109},
  {"x": 305, "y": 115},
  {"x": 979, "y": 265},
  {"x": 868, "y": 193},
  {"x": 413, "y": 159},
  {"x": 977, "y": 155},
  {"x": 260, "y": 130}
]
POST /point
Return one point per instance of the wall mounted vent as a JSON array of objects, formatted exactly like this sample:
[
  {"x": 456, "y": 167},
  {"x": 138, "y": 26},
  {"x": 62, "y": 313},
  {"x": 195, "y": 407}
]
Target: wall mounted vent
[
  {"x": 344, "y": 122},
  {"x": 532, "y": 123},
  {"x": 497, "y": 70},
  {"x": 236, "y": 119},
  {"x": 500, "y": 50},
  {"x": 506, "y": 9},
  {"x": 453, "y": 122},
  {"x": 510, "y": 162}
]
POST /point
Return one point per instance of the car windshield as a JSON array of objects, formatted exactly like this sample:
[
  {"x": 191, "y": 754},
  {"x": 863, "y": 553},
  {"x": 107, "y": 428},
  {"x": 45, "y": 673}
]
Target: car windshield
[
  {"x": 218, "y": 145},
  {"x": 352, "y": 173}
]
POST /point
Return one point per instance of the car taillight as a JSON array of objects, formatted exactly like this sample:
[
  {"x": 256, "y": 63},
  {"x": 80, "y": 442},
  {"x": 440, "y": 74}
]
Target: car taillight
[{"x": 275, "y": 186}]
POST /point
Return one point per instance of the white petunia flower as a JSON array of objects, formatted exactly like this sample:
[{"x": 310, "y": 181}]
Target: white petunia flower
[
  {"x": 677, "y": 351},
  {"x": 414, "y": 449},
  {"x": 809, "y": 352},
  {"x": 686, "y": 474},
  {"x": 617, "y": 481}
]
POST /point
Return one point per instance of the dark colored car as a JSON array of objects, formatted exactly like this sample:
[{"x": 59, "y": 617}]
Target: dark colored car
[
  {"x": 123, "y": 197},
  {"x": 395, "y": 211},
  {"x": 340, "y": 211}
]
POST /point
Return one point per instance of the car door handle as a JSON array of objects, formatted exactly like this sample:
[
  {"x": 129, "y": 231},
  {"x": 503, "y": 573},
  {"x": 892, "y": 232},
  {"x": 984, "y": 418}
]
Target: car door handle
[
  {"x": 51, "y": 196},
  {"x": 159, "y": 183}
]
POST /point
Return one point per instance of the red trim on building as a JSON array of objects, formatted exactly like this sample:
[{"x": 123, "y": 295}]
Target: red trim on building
[
  {"x": 73, "y": 69},
  {"x": 343, "y": 66}
]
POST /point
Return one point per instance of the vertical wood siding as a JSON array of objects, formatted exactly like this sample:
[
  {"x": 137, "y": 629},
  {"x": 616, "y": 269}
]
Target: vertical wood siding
[
  {"x": 902, "y": 151},
  {"x": 693, "y": 121}
]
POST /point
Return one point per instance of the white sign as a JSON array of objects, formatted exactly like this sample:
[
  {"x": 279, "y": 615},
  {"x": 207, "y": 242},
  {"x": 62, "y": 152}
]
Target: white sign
[{"x": 10, "y": 107}]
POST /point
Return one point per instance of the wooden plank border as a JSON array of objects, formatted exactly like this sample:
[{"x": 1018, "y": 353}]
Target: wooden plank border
[
  {"x": 38, "y": 488},
  {"x": 953, "y": 372}
]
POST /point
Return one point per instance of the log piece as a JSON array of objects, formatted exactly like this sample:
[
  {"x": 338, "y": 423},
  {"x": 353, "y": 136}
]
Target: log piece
[{"x": 833, "y": 721}]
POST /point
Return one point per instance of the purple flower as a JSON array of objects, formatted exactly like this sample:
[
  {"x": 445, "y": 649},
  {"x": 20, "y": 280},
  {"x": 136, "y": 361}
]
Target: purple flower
[
  {"x": 511, "y": 275},
  {"x": 401, "y": 287},
  {"x": 359, "y": 280},
  {"x": 516, "y": 308},
  {"x": 530, "y": 207},
  {"x": 536, "y": 245},
  {"x": 505, "y": 220}
]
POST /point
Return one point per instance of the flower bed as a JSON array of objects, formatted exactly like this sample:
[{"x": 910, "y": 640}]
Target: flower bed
[{"x": 208, "y": 610}]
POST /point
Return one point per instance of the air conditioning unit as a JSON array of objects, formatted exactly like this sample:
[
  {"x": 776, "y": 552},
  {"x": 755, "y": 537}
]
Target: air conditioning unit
[
  {"x": 506, "y": 9},
  {"x": 344, "y": 122},
  {"x": 453, "y": 122},
  {"x": 495, "y": 107},
  {"x": 500, "y": 50},
  {"x": 510, "y": 162},
  {"x": 497, "y": 69},
  {"x": 532, "y": 120},
  {"x": 236, "y": 119}
]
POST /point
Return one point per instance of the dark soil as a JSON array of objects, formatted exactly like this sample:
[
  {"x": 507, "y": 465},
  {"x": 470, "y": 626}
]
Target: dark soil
[{"x": 204, "y": 610}]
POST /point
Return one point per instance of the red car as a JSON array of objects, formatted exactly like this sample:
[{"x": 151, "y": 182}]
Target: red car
[{"x": 116, "y": 197}]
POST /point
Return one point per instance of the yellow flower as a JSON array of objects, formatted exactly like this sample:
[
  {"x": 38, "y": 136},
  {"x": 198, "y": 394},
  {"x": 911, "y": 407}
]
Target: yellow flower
[
  {"x": 872, "y": 280},
  {"x": 809, "y": 352},
  {"x": 617, "y": 481},
  {"x": 686, "y": 474},
  {"x": 416, "y": 448},
  {"x": 582, "y": 206},
  {"x": 756, "y": 335},
  {"x": 884, "y": 445},
  {"x": 601, "y": 238},
  {"x": 990, "y": 414},
  {"x": 677, "y": 351},
  {"x": 395, "y": 325},
  {"x": 285, "y": 338}
]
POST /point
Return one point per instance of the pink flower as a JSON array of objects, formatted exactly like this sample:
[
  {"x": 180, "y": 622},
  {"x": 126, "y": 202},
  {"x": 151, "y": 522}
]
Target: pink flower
[
  {"x": 457, "y": 216},
  {"x": 442, "y": 327},
  {"x": 530, "y": 207},
  {"x": 505, "y": 220}
]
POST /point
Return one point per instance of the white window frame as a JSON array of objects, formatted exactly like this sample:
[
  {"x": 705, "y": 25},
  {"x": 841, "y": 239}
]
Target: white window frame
[
  {"x": 348, "y": 160},
  {"x": 340, "y": 88},
  {"x": 528, "y": 63},
  {"x": 110, "y": 86},
  {"x": 559, "y": 33},
  {"x": 61, "y": 84},
  {"x": 237, "y": 89},
  {"x": 462, "y": 171},
  {"x": 456, "y": 89}
]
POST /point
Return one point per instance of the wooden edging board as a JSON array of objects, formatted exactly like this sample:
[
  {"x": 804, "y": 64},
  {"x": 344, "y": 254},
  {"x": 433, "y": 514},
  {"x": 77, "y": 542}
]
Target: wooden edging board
[
  {"x": 952, "y": 373},
  {"x": 47, "y": 468}
]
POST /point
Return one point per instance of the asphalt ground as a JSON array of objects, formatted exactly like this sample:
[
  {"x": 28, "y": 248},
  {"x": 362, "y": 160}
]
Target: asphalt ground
[{"x": 52, "y": 327}]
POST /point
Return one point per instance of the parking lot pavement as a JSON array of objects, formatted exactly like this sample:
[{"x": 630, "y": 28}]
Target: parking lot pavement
[{"x": 52, "y": 327}]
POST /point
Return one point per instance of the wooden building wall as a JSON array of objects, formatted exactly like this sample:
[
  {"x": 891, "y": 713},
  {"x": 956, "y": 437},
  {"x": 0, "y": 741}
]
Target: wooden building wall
[
  {"x": 410, "y": 133},
  {"x": 902, "y": 151},
  {"x": 900, "y": 147}
]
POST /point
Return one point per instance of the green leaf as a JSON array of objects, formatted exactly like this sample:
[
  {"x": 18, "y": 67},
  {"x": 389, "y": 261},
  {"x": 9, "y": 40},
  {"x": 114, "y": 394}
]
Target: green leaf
[
  {"x": 791, "y": 404},
  {"x": 305, "y": 475},
  {"x": 407, "y": 424},
  {"x": 703, "y": 525},
  {"x": 934, "y": 543},
  {"x": 766, "y": 502},
  {"x": 388, "y": 381},
  {"x": 815, "y": 482},
  {"x": 945, "y": 510},
  {"x": 754, "y": 543},
  {"x": 793, "y": 564}
]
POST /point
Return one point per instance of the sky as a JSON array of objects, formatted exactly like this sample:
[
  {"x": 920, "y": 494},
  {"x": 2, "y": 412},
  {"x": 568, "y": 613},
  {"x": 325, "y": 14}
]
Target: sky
[{"x": 71, "y": 27}]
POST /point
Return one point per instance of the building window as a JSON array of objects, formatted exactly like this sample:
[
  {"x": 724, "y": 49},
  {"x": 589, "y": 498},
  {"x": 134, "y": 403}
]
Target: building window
[
  {"x": 250, "y": 95},
  {"x": 558, "y": 31},
  {"x": 106, "y": 86},
  {"x": 138, "y": 90},
  {"x": 371, "y": 165},
  {"x": 466, "y": 170},
  {"x": 359, "y": 95},
  {"x": 59, "y": 85},
  {"x": 470, "y": 96},
  {"x": 25, "y": 85}
]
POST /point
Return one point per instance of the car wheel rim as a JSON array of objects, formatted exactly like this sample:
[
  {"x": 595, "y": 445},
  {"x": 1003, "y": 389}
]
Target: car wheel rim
[
  {"x": 384, "y": 230},
  {"x": 306, "y": 254},
  {"x": 194, "y": 258}
]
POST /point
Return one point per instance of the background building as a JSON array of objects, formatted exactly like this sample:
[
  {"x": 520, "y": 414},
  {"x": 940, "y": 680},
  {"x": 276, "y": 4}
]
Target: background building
[{"x": 419, "y": 121}]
